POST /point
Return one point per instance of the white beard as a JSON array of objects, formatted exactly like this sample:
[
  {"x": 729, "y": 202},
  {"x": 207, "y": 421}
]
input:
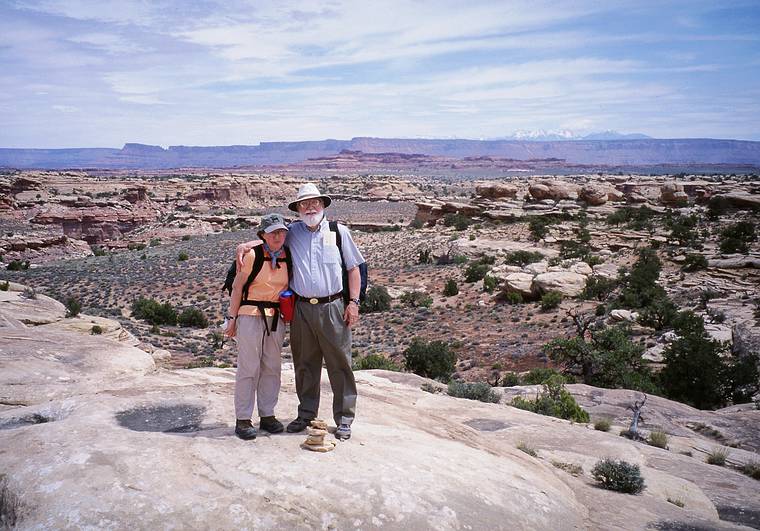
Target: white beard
[{"x": 311, "y": 220}]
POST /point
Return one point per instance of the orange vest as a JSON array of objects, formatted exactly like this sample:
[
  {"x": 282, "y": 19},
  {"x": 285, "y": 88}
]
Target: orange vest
[{"x": 266, "y": 286}]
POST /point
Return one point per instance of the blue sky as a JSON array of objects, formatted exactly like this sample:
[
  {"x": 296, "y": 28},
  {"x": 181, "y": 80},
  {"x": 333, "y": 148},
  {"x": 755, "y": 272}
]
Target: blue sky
[{"x": 94, "y": 73}]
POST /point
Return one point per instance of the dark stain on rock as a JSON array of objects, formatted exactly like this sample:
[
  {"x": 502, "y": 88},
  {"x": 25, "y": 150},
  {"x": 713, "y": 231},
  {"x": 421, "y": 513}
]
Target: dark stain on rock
[
  {"x": 175, "y": 418},
  {"x": 486, "y": 424},
  {"x": 740, "y": 515},
  {"x": 673, "y": 525},
  {"x": 26, "y": 420}
]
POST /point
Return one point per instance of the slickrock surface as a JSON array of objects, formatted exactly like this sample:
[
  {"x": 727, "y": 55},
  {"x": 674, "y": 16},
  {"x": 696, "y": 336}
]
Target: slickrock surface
[{"x": 94, "y": 436}]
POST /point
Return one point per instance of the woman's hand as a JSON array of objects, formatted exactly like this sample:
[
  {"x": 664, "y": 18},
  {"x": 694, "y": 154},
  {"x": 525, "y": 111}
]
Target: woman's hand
[
  {"x": 240, "y": 251},
  {"x": 231, "y": 329}
]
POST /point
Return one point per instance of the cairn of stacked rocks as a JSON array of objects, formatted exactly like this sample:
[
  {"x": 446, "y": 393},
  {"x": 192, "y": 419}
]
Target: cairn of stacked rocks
[{"x": 315, "y": 441}]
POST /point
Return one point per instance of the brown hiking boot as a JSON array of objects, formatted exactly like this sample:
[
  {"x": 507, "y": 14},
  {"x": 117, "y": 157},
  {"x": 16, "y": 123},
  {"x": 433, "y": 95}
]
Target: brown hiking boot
[{"x": 245, "y": 430}]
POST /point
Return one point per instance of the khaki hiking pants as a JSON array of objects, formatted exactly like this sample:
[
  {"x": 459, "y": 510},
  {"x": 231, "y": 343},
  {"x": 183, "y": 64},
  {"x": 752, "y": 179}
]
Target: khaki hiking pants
[
  {"x": 258, "y": 366},
  {"x": 318, "y": 332}
]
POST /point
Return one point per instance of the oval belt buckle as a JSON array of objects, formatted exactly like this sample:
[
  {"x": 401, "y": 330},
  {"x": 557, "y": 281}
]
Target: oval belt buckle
[{"x": 313, "y": 301}]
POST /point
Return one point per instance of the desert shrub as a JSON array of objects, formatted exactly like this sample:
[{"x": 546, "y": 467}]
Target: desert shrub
[
  {"x": 458, "y": 221},
  {"x": 416, "y": 299},
  {"x": 431, "y": 388},
  {"x": 4, "y": 286},
  {"x": 192, "y": 317},
  {"x": 98, "y": 251},
  {"x": 578, "y": 247},
  {"x": 154, "y": 312},
  {"x": 424, "y": 257},
  {"x": 29, "y": 293},
  {"x": 155, "y": 242},
  {"x": 186, "y": 237},
  {"x": 459, "y": 259},
  {"x": 570, "y": 468},
  {"x": 752, "y": 469},
  {"x": 528, "y": 449},
  {"x": 450, "y": 288},
  {"x": 603, "y": 424},
  {"x": 634, "y": 218},
  {"x": 431, "y": 360},
  {"x": 73, "y": 307},
  {"x": 375, "y": 361},
  {"x": 658, "y": 438},
  {"x": 510, "y": 379},
  {"x": 619, "y": 476},
  {"x": 607, "y": 358},
  {"x": 539, "y": 375},
  {"x": 639, "y": 286},
  {"x": 522, "y": 258},
  {"x": 18, "y": 265},
  {"x": 475, "y": 271},
  {"x": 182, "y": 256},
  {"x": 717, "y": 457},
  {"x": 473, "y": 391},
  {"x": 136, "y": 246},
  {"x": 694, "y": 372},
  {"x": 659, "y": 314},
  {"x": 736, "y": 238},
  {"x": 377, "y": 300},
  {"x": 598, "y": 288},
  {"x": 539, "y": 227},
  {"x": 694, "y": 262},
  {"x": 550, "y": 300},
  {"x": 683, "y": 229},
  {"x": 554, "y": 401},
  {"x": 96, "y": 330},
  {"x": 489, "y": 284},
  {"x": 514, "y": 297}
]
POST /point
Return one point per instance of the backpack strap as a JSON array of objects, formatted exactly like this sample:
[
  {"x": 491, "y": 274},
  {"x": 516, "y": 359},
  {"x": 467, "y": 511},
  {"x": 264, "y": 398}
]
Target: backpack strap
[
  {"x": 258, "y": 263},
  {"x": 333, "y": 225},
  {"x": 288, "y": 262}
]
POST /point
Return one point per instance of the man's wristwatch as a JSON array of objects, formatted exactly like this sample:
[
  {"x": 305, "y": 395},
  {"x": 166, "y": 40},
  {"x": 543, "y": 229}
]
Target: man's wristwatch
[
  {"x": 355, "y": 301},
  {"x": 231, "y": 317}
]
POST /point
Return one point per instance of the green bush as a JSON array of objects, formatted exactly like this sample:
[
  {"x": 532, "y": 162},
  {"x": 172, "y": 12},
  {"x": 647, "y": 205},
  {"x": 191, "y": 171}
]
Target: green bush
[
  {"x": 458, "y": 221},
  {"x": 182, "y": 256},
  {"x": 522, "y": 258},
  {"x": 192, "y": 317},
  {"x": 659, "y": 314},
  {"x": 639, "y": 286},
  {"x": 539, "y": 375},
  {"x": 510, "y": 379},
  {"x": 683, "y": 229},
  {"x": 476, "y": 271},
  {"x": 18, "y": 265},
  {"x": 424, "y": 257},
  {"x": 554, "y": 401},
  {"x": 377, "y": 300},
  {"x": 473, "y": 391},
  {"x": 598, "y": 288},
  {"x": 4, "y": 286},
  {"x": 539, "y": 227},
  {"x": 658, "y": 439},
  {"x": 603, "y": 424},
  {"x": 694, "y": 262},
  {"x": 186, "y": 237},
  {"x": 450, "y": 288},
  {"x": 375, "y": 361},
  {"x": 136, "y": 246},
  {"x": 416, "y": 299},
  {"x": 98, "y": 251},
  {"x": 619, "y": 476},
  {"x": 635, "y": 218},
  {"x": 73, "y": 307},
  {"x": 96, "y": 330},
  {"x": 154, "y": 312},
  {"x": 736, "y": 238},
  {"x": 550, "y": 300},
  {"x": 431, "y": 360},
  {"x": 489, "y": 284},
  {"x": 514, "y": 297}
]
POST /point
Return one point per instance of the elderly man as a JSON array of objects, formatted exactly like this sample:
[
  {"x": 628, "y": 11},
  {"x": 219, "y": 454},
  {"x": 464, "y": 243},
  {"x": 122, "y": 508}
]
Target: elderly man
[{"x": 321, "y": 327}]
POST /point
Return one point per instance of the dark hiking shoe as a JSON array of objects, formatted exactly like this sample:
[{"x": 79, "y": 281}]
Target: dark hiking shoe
[
  {"x": 343, "y": 432},
  {"x": 271, "y": 424},
  {"x": 299, "y": 424},
  {"x": 245, "y": 430}
]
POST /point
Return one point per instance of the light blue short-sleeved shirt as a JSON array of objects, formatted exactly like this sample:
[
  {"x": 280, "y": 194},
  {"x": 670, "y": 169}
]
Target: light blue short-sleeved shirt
[{"x": 316, "y": 258}]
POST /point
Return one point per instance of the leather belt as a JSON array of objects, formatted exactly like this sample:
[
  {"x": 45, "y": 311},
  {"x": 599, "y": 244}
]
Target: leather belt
[{"x": 319, "y": 300}]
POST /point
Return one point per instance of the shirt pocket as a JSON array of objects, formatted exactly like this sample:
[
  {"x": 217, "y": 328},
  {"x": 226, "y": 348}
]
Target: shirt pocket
[{"x": 331, "y": 254}]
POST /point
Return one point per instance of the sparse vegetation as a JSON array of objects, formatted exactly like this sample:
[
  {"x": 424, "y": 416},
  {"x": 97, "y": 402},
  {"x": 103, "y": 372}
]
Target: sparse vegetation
[
  {"x": 717, "y": 457},
  {"x": 751, "y": 469},
  {"x": 619, "y": 476},
  {"x": 432, "y": 360},
  {"x": 523, "y": 258},
  {"x": 4, "y": 286},
  {"x": 73, "y": 307},
  {"x": 603, "y": 424},
  {"x": 658, "y": 439},
  {"x": 514, "y": 298},
  {"x": 570, "y": 468},
  {"x": 736, "y": 238},
  {"x": 550, "y": 300},
  {"x": 416, "y": 299},
  {"x": 182, "y": 256},
  {"x": 676, "y": 501},
  {"x": 450, "y": 288},
  {"x": 473, "y": 391},
  {"x": 192, "y": 317},
  {"x": 18, "y": 265},
  {"x": 375, "y": 361},
  {"x": 489, "y": 284},
  {"x": 377, "y": 300},
  {"x": 528, "y": 449},
  {"x": 554, "y": 401}
]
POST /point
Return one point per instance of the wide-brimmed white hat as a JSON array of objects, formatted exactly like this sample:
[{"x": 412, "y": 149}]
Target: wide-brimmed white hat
[{"x": 309, "y": 191}]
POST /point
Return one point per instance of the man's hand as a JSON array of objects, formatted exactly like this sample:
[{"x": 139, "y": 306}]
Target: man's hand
[
  {"x": 240, "y": 251},
  {"x": 231, "y": 329},
  {"x": 351, "y": 315}
]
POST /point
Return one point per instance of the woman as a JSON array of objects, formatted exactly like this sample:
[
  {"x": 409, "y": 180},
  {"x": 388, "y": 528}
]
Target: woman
[{"x": 254, "y": 318}]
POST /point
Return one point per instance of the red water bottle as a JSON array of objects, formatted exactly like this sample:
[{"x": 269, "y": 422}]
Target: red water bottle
[{"x": 287, "y": 305}]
